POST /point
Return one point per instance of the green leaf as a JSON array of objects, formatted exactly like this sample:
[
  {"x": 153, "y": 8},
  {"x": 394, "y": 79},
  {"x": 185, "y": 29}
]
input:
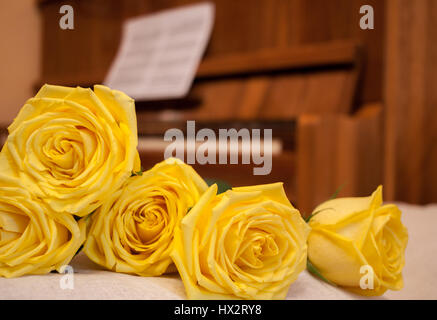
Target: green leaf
[
  {"x": 312, "y": 215},
  {"x": 222, "y": 186},
  {"x": 334, "y": 195},
  {"x": 138, "y": 173},
  {"x": 336, "y": 192},
  {"x": 313, "y": 270}
]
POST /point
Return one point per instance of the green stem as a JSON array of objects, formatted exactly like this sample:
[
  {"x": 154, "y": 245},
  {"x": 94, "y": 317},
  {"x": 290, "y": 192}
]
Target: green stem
[{"x": 312, "y": 269}]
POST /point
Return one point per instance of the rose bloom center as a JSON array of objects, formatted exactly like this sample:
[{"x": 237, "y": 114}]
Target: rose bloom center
[
  {"x": 255, "y": 247},
  {"x": 150, "y": 220}
]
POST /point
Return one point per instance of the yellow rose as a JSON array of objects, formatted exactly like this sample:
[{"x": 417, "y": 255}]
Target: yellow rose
[
  {"x": 246, "y": 243},
  {"x": 134, "y": 231},
  {"x": 72, "y": 146},
  {"x": 356, "y": 239},
  {"x": 33, "y": 239}
]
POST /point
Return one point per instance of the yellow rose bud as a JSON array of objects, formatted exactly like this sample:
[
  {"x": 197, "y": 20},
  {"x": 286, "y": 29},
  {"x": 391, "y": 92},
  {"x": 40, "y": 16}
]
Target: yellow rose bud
[
  {"x": 359, "y": 244},
  {"x": 134, "y": 231},
  {"x": 33, "y": 239},
  {"x": 72, "y": 146},
  {"x": 246, "y": 243}
]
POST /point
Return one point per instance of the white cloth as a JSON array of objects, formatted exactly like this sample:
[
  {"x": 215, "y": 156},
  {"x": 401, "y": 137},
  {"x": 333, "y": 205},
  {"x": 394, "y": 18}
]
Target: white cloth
[{"x": 92, "y": 282}]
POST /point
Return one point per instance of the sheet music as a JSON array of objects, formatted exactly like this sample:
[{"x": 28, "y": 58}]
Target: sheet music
[{"x": 159, "y": 53}]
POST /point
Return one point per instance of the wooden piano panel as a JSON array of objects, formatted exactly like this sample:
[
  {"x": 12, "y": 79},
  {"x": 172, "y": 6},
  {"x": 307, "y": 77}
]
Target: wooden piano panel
[{"x": 274, "y": 97}]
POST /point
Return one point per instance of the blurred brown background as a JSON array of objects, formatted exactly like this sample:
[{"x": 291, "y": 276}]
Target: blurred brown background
[{"x": 349, "y": 107}]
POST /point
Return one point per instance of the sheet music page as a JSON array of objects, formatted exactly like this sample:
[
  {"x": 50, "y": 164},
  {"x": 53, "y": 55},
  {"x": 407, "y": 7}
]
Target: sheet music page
[{"x": 159, "y": 53}]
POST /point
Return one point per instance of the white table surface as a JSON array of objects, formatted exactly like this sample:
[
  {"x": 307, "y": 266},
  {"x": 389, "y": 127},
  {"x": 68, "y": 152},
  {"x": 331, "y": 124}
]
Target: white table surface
[{"x": 93, "y": 282}]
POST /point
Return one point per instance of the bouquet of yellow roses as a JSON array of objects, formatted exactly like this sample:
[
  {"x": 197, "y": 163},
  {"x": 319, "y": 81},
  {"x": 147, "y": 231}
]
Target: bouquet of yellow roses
[{"x": 70, "y": 177}]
